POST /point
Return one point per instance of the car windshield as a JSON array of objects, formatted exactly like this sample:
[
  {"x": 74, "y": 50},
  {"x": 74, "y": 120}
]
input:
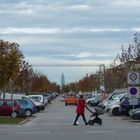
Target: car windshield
[{"x": 35, "y": 99}]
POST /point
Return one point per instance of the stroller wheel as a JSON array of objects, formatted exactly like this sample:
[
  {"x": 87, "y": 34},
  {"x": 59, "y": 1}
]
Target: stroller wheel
[{"x": 90, "y": 122}]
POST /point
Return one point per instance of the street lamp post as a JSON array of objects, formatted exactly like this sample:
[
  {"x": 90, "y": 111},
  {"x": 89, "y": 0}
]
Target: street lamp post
[
  {"x": 14, "y": 114},
  {"x": 30, "y": 82},
  {"x": 102, "y": 75}
]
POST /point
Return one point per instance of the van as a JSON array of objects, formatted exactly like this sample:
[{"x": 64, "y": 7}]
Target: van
[{"x": 38, "y": 97}]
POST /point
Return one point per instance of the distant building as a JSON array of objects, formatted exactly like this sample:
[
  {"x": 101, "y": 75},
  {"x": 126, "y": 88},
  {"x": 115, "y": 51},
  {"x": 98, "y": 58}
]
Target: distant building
[{"x": 62, "y": 80}]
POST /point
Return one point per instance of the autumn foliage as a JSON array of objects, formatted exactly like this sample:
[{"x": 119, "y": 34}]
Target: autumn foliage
[{"x": 13, "y": 67}]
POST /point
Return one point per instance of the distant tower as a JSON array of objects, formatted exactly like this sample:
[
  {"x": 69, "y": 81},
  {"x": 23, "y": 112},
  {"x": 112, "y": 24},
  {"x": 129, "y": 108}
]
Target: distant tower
[{"x": 62, "y": 81}]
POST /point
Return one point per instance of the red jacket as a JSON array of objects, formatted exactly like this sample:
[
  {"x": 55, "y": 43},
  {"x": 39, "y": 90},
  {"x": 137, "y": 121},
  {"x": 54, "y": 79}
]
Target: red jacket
[{"x": 81, "y": 106}]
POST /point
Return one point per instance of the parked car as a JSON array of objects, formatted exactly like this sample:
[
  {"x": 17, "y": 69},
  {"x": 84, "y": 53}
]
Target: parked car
[
  {"x": 40, "y": 98},
  {"x": 135, "y": 114},
  {"x": 88, "y": 95},
  {"x": 39, "y": 105},
  {"x": 115, "y": 93},
  {"x": 90, "y": 99},
  {"x": 27, "y": 107},
  {"x": 114, "y": 106},
  {"x": 95, "y": 101},
  {"x": 48, "y": 97},
  {"x": 125, "y": 107},
  {"x": 103, "y": 104},
  {"x": 9, "y": 107},
  {"x": 111, "y": 96}
]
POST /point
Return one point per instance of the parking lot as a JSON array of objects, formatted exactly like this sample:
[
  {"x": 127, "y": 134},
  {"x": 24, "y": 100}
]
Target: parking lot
[{"x": 55, "y": 122}]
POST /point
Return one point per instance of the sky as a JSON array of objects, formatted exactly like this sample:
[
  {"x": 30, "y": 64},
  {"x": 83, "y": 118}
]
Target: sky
[{"x": 69, "y": 32}]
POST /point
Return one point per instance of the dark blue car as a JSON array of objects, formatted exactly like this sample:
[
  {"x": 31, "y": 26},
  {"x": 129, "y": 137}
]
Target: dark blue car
[
  {"x": 125, "y": 106},
  {"x": 27, "y": 107}
]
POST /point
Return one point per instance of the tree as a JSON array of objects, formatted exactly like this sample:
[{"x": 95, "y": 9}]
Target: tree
[{"x": 10, "y": 59}]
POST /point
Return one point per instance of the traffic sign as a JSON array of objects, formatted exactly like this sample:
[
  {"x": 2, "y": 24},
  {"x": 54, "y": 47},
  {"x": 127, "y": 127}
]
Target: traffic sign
[
  {"x": 133, "y": 92},
  {"x": 133, "y": 78},
  {"x": 133, "y": 101}
]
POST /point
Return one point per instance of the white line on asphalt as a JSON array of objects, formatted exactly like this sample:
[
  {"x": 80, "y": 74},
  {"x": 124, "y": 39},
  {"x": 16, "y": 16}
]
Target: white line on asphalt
[
  {"x": 58, "y": 124},
  {"x": 23, "y": 132},
  {"x": 100, "y": 131},
  {"x": 54, "y": 124}
]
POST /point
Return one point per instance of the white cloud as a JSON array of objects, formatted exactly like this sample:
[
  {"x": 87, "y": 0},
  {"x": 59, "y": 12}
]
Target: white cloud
[
  {"x": 29, "y": 30},
  {"x": 45, "y": 61},
  {"x": 89, "y": 54},
  {"x": 84, "y": 55},
  {"x": 135, "y": 29},
  {"x": 39, "y": 30},
  {"x": 80, "y": 7}
]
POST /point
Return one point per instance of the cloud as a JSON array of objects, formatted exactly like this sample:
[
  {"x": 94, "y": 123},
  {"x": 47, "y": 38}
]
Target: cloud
[
  {"x": 84, "y": 55},
  {"x": 70, "y": 31},
  {"x": 90, "y": 55},
  {"x": 18, "y": 12},
  {"x": 45, "y": 61},
  {"x": 80, "y": 7},
  {"x": 81, "y": 55},
  {"x": 38, "y": 30}
]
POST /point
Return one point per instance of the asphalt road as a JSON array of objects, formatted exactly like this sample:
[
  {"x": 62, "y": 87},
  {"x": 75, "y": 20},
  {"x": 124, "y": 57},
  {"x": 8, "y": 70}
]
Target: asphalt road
[{"x": 55, "y": 123}]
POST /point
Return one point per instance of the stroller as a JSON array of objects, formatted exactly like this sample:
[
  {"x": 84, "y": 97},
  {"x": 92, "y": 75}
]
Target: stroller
[{"x": 96, "y": 118}]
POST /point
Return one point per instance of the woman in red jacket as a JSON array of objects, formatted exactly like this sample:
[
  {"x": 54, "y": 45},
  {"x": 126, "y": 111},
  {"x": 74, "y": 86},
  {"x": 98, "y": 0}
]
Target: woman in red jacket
[{"x": 80, "y": 110}]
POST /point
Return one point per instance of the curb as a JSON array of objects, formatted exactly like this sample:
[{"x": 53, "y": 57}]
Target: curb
[{"x": 24, "y": 121}]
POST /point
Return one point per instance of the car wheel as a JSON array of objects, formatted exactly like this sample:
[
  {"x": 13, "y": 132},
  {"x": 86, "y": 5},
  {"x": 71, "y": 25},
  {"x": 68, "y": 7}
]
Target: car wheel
[
  {"x": 88, "y": 102},
  {"x": 14, "y": 114},
  {"x": 116, "y": 112},
  {"x": 28, "y": 113}
]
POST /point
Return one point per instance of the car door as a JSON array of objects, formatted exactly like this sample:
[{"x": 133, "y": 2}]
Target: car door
[
  {"x": 2, "y": 107},
  {"x": 10, "y": 105}
]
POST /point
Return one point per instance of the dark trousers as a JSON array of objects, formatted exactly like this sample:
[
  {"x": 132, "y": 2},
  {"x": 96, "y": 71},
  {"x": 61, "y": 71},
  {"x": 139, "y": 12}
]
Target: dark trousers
[{"x": 78, "y": 115}]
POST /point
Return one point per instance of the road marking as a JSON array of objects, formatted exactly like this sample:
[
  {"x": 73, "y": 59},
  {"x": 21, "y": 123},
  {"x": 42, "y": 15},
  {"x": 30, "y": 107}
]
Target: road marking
[
  {"x": 58, "y": 124},
  {"x": 51, "y": 124},
  {"x": 100, "y": 131},
  {"x": 32, "y": 132}
]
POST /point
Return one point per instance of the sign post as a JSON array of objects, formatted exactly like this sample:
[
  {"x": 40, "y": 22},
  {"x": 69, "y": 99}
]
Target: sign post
[{"x": 133, "y": 88}]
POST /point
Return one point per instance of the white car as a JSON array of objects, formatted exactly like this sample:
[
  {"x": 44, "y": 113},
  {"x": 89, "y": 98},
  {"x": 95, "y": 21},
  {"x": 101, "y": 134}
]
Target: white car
[
  {"x": 39, "y": 105},
  {"x": 38, "y": 97},
  {"x": 103, "y": 104},
  {"x": 91, "y": 99},
  {"x": 114, "y": 106}
]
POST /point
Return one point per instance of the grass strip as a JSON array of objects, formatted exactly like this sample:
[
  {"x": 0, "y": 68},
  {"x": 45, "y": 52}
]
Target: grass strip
[{"x": 10, "y": 120}]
